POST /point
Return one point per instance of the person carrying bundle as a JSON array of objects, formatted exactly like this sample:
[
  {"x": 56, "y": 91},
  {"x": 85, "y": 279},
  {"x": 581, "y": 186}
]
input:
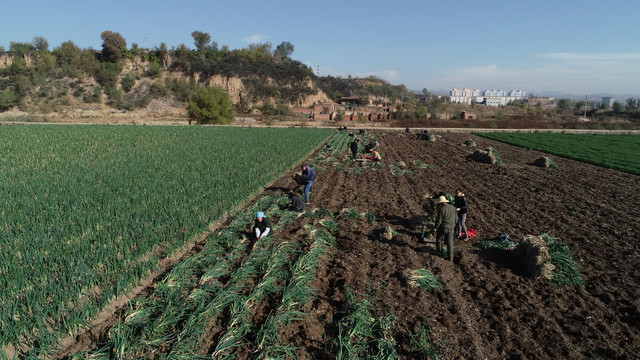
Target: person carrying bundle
[
  {"x": 300, "y": 179},
  {"x": 311, "y": 175}
]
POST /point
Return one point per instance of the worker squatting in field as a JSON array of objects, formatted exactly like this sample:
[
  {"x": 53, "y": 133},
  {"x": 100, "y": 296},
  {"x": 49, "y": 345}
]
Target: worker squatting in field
[{"x": 261, "y": 226}]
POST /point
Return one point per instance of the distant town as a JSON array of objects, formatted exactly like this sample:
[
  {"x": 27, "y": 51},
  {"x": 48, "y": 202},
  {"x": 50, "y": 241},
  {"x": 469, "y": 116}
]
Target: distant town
[{"x": 501, "y": 97}]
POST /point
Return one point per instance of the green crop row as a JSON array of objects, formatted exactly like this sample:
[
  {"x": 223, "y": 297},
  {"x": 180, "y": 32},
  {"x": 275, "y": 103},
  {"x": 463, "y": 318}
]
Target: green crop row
[
  {"x": 85, "y": 211},
  {"x": 615, "y": 151},
  {"x": 223, "y": 286}
]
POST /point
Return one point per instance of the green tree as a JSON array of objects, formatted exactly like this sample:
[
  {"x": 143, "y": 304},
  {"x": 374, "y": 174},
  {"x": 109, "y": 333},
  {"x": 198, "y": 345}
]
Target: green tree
[
  {"x": 18, "y": 66},
  {"x": 40, "y": 44},
  {"x": 202, "y": 40},
  {"x": 68, "y": 53},
  {"x": 283, "y": 51},
  {"x": 563, "y": 104},
  {"x": 113, "y": 46},
  {"x": 211, "y": 105},
  {"x": 8, "y": 99},
  {"x": 263, "y": 49},
  {"x": 154, "y": 70},
  {"x": 420, "y": 111},
  {"x": 127, "y": 82},
  {"x": 616, "y": 107},
  {"x": 107, "y": 74},
  {"x": 631, "y": 104},
  {"x": 45, "y": 63},
  {"x": 20, "y": 49}
]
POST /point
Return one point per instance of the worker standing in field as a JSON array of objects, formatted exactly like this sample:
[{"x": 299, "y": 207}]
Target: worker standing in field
[
  {"x": 261, "y": 226},
  {"x": 460, "y": 203},
  {"x": 308, "y": 172},
  {"x": 354, "y": 148},
  {"x": 444, "y": 225}
]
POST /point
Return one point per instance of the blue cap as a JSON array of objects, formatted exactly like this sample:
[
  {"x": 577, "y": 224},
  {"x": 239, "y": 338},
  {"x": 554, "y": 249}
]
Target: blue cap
[{"x": 260, "y": 214}]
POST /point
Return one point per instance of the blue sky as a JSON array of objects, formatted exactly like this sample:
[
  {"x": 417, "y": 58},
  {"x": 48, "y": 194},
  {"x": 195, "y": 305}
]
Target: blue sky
[{"x": 541, "y": 47}]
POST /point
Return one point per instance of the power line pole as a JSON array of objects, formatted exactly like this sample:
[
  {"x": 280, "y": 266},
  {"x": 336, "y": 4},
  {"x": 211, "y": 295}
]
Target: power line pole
[{"x": 586, "y": 104}]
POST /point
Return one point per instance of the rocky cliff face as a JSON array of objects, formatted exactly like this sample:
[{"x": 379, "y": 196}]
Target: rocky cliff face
[
  {"x": 6, "y": 59},
  {"x": 237, "y": 90},
  {"x": 233, "y": 85}
]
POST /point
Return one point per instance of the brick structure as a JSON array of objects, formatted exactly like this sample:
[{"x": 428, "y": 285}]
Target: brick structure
[{"x": 468, "y": 116}]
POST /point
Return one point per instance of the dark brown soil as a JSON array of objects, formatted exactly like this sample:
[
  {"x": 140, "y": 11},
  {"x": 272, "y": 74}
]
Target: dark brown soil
[{"x": 488, "y": 308}]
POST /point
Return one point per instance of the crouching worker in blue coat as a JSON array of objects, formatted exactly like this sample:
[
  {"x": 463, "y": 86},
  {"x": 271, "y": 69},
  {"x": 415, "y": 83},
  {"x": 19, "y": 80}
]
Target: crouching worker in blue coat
[{"x": 262, "y": 225}]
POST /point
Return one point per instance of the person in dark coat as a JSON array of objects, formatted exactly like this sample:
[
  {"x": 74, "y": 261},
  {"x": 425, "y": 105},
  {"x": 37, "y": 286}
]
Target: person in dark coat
[
  {"x": 370, "y": 146},
  {"x": 296, "y": 202},
  {"x": 261, "y": 226},
  {"x": 328, "y": 147},
  {"x": 444, "y": 225},
  {"x": 460, "y": 204},
  {"x": 354, "y": 148},
  {"x": 308, "y": 172}
]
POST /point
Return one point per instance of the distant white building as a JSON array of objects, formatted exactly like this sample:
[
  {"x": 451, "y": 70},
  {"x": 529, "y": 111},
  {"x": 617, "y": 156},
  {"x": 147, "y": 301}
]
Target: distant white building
[{"x": 487, "y": 97}]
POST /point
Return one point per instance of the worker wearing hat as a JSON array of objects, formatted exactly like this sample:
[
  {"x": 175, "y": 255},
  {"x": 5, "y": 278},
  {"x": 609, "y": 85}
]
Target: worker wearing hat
[
  {"x": 262, "y": 225},
  {"x": 446, "y": 217}
]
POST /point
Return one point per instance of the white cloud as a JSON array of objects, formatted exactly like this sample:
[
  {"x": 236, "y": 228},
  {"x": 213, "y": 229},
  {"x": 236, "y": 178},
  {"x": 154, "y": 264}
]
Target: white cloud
[
  {"x": 615, "y": 73},
  {"x": 255, "y": 39},
  {"x": 575, "y": 57},
  {"x": 389, "y": 75}
]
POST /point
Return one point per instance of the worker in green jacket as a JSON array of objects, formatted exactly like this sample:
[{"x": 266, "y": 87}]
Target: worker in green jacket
[{"x": 446, "y": 217}]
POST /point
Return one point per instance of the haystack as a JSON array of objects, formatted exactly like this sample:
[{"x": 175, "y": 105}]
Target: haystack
[
  {"x": 387, "y": 233},
  {"x": 545, "y": 162},
  {"x": 488, "y": 156},
  {"x": 534, "y": 256}
]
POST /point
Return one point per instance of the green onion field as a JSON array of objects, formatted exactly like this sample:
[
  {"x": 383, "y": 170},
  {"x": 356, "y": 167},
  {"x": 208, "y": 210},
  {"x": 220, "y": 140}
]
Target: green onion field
[
  {"x": 615, "y": 151},
  {"x": 85, "y": 209}
]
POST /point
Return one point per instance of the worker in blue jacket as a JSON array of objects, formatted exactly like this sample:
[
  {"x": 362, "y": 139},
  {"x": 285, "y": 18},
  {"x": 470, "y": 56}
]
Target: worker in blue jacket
[{"x": 307, "y": 171}]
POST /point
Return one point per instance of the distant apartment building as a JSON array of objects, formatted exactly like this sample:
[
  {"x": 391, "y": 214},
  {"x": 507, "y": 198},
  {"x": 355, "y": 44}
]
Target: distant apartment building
[
  {"x": 607, "y": 101},
  {"x": 487, "y": 97}
]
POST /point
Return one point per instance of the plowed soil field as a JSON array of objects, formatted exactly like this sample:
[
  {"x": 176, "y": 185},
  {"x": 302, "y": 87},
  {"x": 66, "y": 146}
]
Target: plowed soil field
[{"x": 488, "y": 308}]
